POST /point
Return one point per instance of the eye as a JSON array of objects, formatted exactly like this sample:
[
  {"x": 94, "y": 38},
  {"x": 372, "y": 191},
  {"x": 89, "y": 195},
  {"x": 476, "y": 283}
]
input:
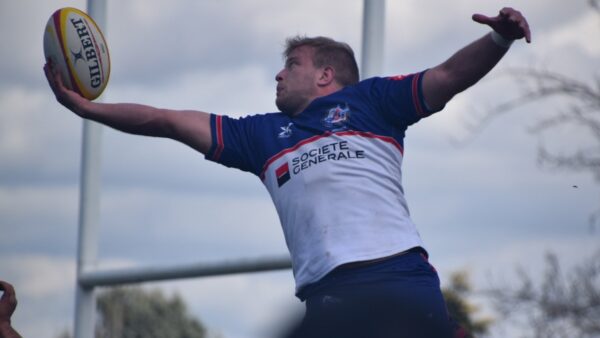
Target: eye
[{"x": 290, "y": 63}]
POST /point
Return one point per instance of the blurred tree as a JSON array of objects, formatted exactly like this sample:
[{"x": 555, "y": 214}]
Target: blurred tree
[
  {"x": 559, "y": 305},
  {"x": 132, "y": 312},
  {"x": 460, "y": 309}
]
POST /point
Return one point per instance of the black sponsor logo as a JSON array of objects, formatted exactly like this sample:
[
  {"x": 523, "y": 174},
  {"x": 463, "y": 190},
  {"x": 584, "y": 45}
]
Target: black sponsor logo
[
  {"x": 89, "y": 51},
  {"x": 336, "y": 151}
]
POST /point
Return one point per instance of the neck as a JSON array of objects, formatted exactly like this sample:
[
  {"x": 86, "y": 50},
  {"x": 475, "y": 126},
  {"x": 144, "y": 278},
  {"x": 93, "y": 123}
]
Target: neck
[
  {"x": 330, "y": 89},
  {"x": 323, "y": 91}
]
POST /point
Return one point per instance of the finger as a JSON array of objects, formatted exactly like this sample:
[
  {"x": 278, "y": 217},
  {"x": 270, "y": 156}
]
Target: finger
[
  {"x": 511, "y": 15},
  {"x": 519, "y": 21},
  {"x": 49, "y": 76},
  {"x": 8, "y": 300},
  {"x": 524, "y": 25},
  {"x": 527, "y": 33},
  {"x": 54, "y": 77},
  {"x": 514, "y": 19},
  {"x": 51, "y": 65},
  {"x": 8, "y": 289},
  {"x": 47, "y": 70},
  {"x": 507, "y": 11},
  {"x": 58, "y": 78}
]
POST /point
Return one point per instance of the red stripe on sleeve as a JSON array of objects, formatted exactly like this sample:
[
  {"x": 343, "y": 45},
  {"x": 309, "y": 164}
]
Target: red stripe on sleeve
[
  {"x": 415, "y": 95},
  {"x": 219, "y": 130}
]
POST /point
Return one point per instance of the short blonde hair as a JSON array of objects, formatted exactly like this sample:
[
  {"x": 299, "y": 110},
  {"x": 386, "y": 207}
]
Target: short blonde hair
[{"x": 328, "y": 52}]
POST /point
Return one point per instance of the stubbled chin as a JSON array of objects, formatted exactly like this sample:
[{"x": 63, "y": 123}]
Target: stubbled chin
[{"x": 282, "y": 107}]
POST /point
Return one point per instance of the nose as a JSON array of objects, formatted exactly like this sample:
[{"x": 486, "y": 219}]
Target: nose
[{"x": 279, "y": 76}]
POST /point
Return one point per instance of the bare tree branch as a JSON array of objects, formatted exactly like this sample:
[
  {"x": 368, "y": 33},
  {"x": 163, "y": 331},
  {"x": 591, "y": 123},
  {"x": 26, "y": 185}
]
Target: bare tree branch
[
  {"x": 561, "y": 305},
  {"x": 584, "y": 112}
]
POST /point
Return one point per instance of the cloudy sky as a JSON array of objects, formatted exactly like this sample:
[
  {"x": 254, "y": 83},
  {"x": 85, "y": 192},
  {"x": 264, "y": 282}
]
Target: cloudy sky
[{"x": 485, "y": 206}]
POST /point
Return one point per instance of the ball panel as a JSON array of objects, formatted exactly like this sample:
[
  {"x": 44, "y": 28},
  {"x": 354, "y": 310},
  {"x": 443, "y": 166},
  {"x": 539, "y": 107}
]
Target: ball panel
[
  {"x": 53, "y": 50},
  {"x": 61, "y": 18}
]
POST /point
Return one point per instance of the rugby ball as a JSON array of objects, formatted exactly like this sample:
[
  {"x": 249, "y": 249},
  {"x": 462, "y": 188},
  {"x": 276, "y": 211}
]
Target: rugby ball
[{"x": 77, "y": 49}]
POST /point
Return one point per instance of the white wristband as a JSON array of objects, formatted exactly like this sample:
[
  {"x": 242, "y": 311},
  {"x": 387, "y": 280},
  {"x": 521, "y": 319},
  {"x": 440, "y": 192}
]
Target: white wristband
[{"x": 500, "y": 40}]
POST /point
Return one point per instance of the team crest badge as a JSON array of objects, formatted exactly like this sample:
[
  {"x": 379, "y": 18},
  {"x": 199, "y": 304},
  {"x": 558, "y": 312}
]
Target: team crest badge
[{"x": 337, "y": 118}]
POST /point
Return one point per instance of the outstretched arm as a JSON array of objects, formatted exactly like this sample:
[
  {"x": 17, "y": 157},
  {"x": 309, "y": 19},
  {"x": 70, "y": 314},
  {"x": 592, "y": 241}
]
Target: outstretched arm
[
  {"x": 471, "y": 63},
  {"x": 187, "y": 126},
  {"x": 8, "y": 304}
]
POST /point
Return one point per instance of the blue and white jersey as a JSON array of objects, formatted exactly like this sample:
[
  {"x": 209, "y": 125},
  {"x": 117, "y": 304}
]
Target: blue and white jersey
[{"x": 333, "y": 171}]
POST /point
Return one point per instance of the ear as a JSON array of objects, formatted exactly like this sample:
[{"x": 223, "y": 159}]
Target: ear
[{"x": 326, "y": 76}]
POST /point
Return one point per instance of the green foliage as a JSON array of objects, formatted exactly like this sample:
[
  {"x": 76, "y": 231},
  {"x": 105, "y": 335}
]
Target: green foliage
[
  {"x": 460, "y": 309},
  {"x": 132, "y": 312}
]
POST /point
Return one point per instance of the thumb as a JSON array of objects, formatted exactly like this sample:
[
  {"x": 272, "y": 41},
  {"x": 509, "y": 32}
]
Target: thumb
[{"x": 483, "y": 19}]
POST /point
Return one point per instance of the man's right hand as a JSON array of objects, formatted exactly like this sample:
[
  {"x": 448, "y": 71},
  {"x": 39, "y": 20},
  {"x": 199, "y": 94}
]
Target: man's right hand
[{"x": 68, "y": 98}]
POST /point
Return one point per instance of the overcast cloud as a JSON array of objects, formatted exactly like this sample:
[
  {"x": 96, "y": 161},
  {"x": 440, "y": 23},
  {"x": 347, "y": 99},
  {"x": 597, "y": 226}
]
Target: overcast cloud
[{"x": 485, "y": 206}]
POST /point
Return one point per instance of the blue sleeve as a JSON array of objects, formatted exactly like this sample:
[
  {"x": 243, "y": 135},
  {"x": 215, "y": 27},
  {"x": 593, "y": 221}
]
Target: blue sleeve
[
  {"x": 399, "y": 98},
  {"x": 232, "y": 143}
]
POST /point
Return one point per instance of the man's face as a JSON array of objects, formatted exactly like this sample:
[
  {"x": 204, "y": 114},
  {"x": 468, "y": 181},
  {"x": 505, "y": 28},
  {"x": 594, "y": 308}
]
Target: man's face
[{"x": 297, "y": 81}]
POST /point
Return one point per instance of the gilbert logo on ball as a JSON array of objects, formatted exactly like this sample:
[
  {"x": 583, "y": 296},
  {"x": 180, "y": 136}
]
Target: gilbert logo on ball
[{"x": 77, "y": 48}]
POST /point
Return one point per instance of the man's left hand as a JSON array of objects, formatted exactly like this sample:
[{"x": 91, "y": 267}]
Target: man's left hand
[{"x": 509, "y": 23}]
